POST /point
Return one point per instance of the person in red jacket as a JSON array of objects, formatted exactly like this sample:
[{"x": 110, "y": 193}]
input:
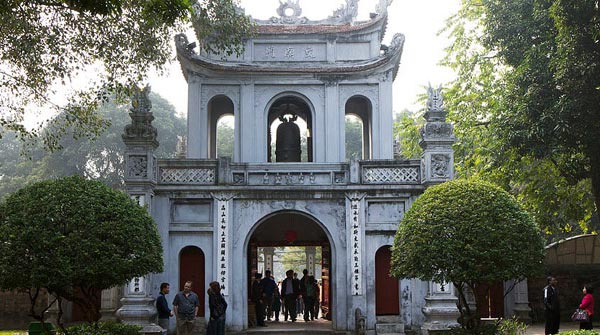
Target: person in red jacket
[{"x": 587, "y": 303}]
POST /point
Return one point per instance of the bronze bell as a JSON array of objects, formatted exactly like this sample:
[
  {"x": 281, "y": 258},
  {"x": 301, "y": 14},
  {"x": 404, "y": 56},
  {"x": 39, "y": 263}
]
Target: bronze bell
[{"x": 287, "y": 147}]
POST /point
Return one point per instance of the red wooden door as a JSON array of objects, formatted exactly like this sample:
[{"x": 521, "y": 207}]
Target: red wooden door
[
  {"x": 490, "y": 300},
  {"x": 387, "y": 297},
  {"x": 191, "y": 268}
]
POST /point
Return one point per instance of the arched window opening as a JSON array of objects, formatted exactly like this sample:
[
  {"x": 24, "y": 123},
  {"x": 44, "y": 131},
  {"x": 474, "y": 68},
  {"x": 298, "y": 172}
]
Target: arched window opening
[
  {"x": 218, "y": 107},
  {"x": 225, "y": 136},
  {"x": 354, "y": 137},
  {"x": 289, "y": 131},
  {"x": 359, "y": 108}
]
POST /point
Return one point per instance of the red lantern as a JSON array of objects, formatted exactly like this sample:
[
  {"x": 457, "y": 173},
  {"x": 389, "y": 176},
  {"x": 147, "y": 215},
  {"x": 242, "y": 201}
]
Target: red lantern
[{"x": 291, "y": 236}]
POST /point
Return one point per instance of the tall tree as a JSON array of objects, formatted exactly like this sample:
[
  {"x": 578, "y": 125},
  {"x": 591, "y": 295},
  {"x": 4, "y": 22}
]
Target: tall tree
[
  {"x": 100, "y": 158},
  {"x": 47, "y": 47},
  {"x": 525, "y": 104}
]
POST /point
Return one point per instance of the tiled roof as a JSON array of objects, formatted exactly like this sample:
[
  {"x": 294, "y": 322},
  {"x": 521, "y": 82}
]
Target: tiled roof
[{"x": 314, "y": 28}]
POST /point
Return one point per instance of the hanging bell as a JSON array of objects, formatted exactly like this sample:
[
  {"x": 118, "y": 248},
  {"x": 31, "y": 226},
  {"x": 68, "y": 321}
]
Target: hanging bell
[{"x": 287, "y": 146}]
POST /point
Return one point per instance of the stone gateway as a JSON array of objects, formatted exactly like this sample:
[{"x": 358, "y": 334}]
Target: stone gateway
[{"x": 288, "y": 180}]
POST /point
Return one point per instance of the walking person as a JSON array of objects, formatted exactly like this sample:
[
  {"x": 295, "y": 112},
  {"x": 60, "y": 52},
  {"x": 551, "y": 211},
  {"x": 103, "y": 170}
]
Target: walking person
[
  {"x": 317, "y": 299},
  {"x": 290, "y": 289},
  {"x": 257, "y": 299},
  {"x": 217, "y": 306},
  {"x": 299, "y": 301},
  {"x": 164, "y": 312},
  {"x": 587, "y": 304},
  {"x": 185, "y": 306},
  {"x": 269, "y": 286},
  {"x": 552, "y": 306},
  {"x": 309, "y": 298},
  {"x": 276, "y": 305}
]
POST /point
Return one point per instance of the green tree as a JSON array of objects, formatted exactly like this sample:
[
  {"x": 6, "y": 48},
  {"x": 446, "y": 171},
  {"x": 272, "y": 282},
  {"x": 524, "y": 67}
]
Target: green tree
[
  {"x": 406, "y": 132},
  {"x": 46, "y": 45},
  {"x": 74, "y": 238},
  {"x": 467, "y": 233},
  {"x": 354, "y": 138},
  {"x": 100, "y": 158},
  {"x": 514, "y": 125},
  {"x": 225, "y": 140}
]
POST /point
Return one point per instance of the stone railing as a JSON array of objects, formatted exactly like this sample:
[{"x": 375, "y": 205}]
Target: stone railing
[{"x": 223, "y": 172}]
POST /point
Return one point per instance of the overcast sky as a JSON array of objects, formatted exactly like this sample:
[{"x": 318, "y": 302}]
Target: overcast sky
[{"x": 418, "y": 20}]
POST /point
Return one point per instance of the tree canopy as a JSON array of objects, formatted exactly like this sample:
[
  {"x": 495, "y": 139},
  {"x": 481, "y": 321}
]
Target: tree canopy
[
  {"x": 100, "y": 158},
  {"x": 468, "y": 233},
  {"x": 525, "y": 105},
  {"x": 49, "y": 48},
  {"x": 74, "y": 238}
]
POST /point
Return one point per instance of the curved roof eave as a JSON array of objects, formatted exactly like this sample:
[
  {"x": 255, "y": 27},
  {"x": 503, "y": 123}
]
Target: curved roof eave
[{"x": 192, "y": 62}]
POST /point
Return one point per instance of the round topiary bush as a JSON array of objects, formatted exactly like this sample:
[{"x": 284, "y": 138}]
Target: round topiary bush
[
  {"x": 75, "y": 237},
  {"x": 467, "y": 232}
]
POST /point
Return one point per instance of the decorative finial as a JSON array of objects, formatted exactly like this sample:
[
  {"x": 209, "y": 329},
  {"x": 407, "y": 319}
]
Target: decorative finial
[
  {"x": 141, "y": 128},
  {"x": 435, "y": 100}
]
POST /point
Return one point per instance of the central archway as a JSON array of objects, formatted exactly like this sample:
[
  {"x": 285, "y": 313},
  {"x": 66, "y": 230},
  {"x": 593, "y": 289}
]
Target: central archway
[{"x": 285, "y": 233}]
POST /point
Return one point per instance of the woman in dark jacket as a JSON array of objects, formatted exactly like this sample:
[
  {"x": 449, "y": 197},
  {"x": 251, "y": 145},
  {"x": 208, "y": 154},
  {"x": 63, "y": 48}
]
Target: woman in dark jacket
[
  {"x": 217, "y": 306},
  {"x": 587, "y": 304}
]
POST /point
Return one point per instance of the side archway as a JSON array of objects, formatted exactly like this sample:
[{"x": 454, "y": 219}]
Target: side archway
[
  {"x": 191, "y": 268},
  {"x": 387, "y": 291}
]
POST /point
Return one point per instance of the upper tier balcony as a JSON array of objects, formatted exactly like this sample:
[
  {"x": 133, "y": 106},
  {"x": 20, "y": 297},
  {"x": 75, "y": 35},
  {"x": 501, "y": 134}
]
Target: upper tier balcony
[{"x": 288, "y": 175}]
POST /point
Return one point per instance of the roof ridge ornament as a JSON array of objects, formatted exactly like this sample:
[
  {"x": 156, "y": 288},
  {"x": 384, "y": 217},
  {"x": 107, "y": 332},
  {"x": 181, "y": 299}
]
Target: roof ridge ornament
[
  {"x": 346, "y": 13},
  {"x": 382, "y": 7},
  {"x": 289, "y": 13}
]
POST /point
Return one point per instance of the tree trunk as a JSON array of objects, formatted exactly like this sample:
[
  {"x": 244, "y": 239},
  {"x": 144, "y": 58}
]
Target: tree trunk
[{"x": 594, "y": 155}]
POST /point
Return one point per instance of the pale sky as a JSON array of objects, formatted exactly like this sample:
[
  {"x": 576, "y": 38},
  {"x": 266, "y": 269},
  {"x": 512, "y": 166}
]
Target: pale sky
[{"x": 418, "y": 20}]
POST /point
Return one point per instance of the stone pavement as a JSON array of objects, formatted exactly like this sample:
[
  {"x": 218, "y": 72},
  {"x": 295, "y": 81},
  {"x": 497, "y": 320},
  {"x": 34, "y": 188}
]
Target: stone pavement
[
  {"x": 538, "y": 328},
  {"x": 322, "y": 326}
]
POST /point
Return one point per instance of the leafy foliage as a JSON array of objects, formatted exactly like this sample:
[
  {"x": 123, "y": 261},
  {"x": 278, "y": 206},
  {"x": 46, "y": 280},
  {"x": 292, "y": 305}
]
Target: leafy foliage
[
  {"x": 354, "y": 138},
  {"x": 50, "y": 46},
  {"x": 514, "y": 123},
  {"x": 104, "y": 328},
  {"x": 467, "y": 233},
  {"x": 406, "y": 130},
  {"x": 75, "y": 237}
]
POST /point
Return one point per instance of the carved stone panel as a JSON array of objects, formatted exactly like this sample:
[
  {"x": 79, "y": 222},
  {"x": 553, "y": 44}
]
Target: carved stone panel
[{"x": 137, "y": 167}]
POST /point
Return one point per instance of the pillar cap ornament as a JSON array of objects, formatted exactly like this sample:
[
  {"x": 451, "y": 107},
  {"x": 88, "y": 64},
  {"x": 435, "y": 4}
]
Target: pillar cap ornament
[{"x": 141, "y": 131}]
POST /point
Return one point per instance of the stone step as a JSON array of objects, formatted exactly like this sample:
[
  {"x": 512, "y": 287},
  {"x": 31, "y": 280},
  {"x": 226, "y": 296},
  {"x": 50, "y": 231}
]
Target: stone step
[
  {"x": 389, "y": 328},
  {"x": 389, "y": 319}
]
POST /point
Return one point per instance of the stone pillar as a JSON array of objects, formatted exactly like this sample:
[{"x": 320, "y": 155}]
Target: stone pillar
[
  {"x": 268, "y": 253},
  {"x": 311, "y": 253},
  {"x": 521, "y": 307},
  {"x": 334, "y": 123},
  {"x": 437, "y": 137},
  {"x": 356, "y": 264},
  {"x": 440, "y": 308},
  {"x": 141, "y": 176},
  {"x": 109, "y": 303},
  {"x": 197, "y": 132}
]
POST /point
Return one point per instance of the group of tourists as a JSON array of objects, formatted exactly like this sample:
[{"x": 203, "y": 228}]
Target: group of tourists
[
  {"x": 292, "y": 296},
  {"x": 185, "y": 308},
  {"x": 552, "y": 307}
]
